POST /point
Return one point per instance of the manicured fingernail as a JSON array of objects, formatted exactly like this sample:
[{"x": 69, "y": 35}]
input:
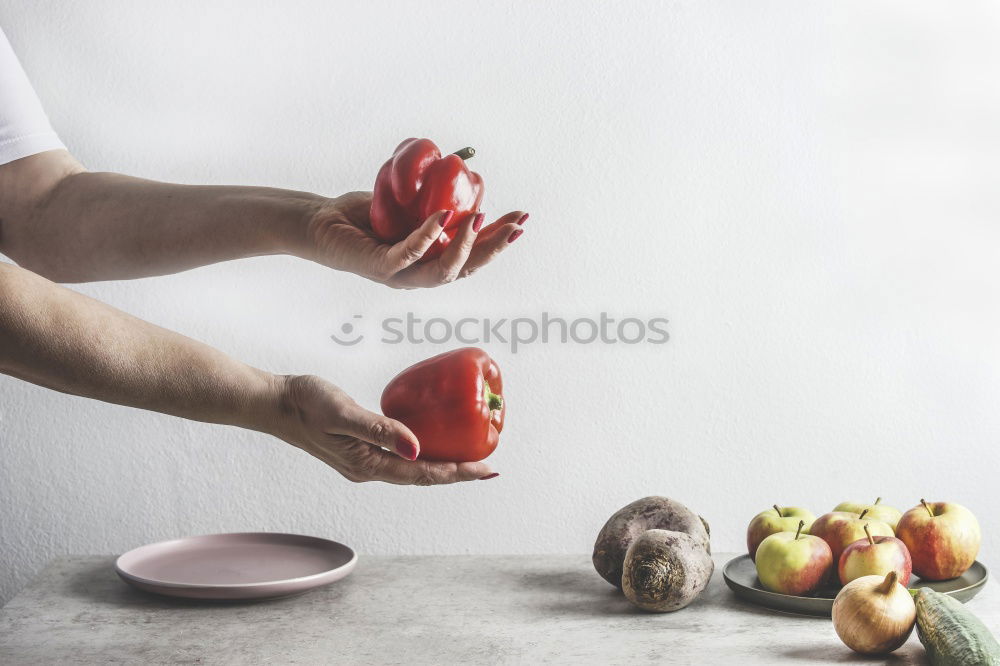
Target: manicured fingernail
[
  {"x": 513, "y": 236},
  {"x": 523, "y": 218},
  {"x": 406, "y": 448},
  {"x": 446, "y": 218},
  {"x": 477, "y": 223},
  {"x": 489, "y": 476}
]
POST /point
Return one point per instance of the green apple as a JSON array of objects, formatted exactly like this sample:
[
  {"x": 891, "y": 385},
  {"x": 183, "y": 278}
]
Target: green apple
[
  {"x": 875, "y": 556},
  {"x": 943, "y": 539},
  {"x": 842, "y": 528},
  {"x": 793, "y": 562},
  {"x": 876, "y": 511},
  {"x": 774, "y": 520}
]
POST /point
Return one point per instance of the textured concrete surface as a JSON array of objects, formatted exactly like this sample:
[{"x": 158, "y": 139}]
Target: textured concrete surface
[
  {"x": 806, "y": 190},
  {"x": 416, "y": 610}
]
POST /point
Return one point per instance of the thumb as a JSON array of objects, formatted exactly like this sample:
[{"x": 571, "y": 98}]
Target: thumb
[
  {"x": 407, "y": 251},
  {"x": 358, "y": 422}
]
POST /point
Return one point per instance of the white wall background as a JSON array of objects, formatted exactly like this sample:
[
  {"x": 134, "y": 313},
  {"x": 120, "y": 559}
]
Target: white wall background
[{"x": 808, "y": 191}]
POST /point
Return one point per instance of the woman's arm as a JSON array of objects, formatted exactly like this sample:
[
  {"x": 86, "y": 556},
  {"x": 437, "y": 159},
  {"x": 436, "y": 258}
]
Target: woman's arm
[
  {"x": 71, "y": 225},
  {"x": 63, "y": 340},
  {"x": 102, "y": 226}
]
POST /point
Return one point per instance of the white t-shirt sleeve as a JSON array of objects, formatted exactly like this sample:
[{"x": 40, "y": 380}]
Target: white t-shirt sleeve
[{"x": 24, "y": 127}]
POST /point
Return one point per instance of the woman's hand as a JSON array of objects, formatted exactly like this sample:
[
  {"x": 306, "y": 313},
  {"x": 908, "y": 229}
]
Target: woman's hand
[
  {"x": 325, "y": 422},
  {"x": 341, "y": 237}
]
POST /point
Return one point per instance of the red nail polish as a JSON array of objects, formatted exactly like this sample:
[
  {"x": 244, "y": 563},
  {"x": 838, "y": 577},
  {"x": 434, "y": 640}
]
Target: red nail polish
[
  {"x": 513, "y": 236},
  {"x": 406, "y": 448},
  {"x": 489, "y": 476},
  {"x": 446, "y": 218},
  {"x": 477, "y": 223},
  {"x": 523, "y": 218}
]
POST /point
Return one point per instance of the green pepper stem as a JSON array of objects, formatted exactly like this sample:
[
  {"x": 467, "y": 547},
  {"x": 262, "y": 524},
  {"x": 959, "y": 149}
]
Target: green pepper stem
[
  {"x": 466, "y": 153},
  {"x": 493, "y": 400}
]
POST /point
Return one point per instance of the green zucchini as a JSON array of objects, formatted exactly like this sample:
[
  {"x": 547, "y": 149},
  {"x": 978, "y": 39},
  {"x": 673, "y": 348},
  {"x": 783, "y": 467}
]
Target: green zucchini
[{"x": 952, "y": 635}]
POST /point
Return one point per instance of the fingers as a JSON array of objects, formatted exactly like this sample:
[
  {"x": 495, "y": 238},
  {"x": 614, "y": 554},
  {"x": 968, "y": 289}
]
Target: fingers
[
  {"x": 455, "y": 255},
  {"x": 360, "y": 462},
  {"x": 407, "y": 251},
  {"x": 493, "y": 240},
  {"x": 392, "y": 469},
  {"x": 516, "y": 218},
  {"x": 485, "y": 245},
  {"x": 356, "y": 421}
]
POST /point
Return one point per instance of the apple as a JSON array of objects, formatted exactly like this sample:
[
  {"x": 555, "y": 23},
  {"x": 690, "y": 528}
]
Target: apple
[
  {"x": 842, "y": 528},
  {"x": 875, "y": 556},
  {"x": 876, "y": 511},
  {"x": 774, "y": 520},
  {"x": 793, "y": 562},
  {"x": 943, "y": 538}
]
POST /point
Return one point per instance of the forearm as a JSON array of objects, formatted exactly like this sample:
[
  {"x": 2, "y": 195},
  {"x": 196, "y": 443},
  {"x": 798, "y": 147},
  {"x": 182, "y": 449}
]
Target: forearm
[
  {"x": 63, "y": 340},
  {"x": 105, "y": 226}
]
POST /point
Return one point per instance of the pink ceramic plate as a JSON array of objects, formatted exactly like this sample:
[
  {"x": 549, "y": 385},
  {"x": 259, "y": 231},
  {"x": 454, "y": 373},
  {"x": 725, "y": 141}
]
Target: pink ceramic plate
[{"x": 250, "y": 565}]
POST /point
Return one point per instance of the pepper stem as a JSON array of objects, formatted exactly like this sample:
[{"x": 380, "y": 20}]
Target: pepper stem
[
  {"x": 494, "y": 400},
  {"x": 466, "y": 153}
]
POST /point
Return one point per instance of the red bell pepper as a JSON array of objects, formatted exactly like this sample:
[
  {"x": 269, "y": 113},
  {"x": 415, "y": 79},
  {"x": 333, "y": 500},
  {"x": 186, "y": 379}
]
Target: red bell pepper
[
  {"x": 417, "y": 182},
  {"x": 452, "y": 402}
]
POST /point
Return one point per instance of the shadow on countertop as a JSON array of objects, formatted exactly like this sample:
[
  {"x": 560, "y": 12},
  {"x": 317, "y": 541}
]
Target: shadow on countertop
[
  {"x": 823, "y": 655},
  {"x": 585, "y": 593}
]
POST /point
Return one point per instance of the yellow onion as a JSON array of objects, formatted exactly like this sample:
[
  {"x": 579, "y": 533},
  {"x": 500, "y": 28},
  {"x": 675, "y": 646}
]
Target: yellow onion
[{"x": 874, "y": 615}]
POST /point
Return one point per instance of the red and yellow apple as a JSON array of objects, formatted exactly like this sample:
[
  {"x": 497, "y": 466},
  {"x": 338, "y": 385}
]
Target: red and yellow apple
[
  {"x": 943, "y": 538},
  {"x": 774, "y": 520},
  {"x": 793, "y": 562},
  {"x": 876, "y": 511},
  {"x": 875, "y": 556},
  {"x": 842, "y": 528}
]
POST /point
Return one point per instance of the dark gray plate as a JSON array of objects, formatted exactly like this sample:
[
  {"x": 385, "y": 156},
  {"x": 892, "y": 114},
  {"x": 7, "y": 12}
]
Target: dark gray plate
[{"x": 741, "y": 577}]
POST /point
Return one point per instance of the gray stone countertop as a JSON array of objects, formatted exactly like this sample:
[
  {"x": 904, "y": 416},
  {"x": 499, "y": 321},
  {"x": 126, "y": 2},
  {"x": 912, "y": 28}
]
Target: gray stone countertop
[{"x": 416, "y": 610}]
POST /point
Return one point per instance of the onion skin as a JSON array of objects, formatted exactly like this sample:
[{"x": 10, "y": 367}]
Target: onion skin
[{"x": 874, "y": 615}]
